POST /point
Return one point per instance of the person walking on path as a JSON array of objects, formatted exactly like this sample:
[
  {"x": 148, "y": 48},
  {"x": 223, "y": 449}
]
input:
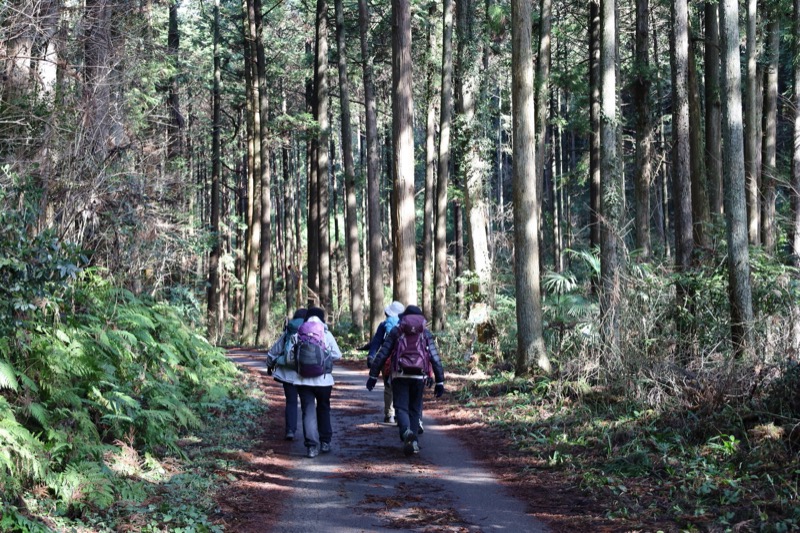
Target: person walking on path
[
  {"x": 315, "y": 390},
  {"x": 392, "y": 312},
  {"x": 284, "y": 372},
  {"x": 413, "y": 354}
]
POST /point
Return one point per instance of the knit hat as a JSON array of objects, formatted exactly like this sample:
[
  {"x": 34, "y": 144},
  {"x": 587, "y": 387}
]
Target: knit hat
[
  {"x": 317, "y": 312},
  {"x": 394, "y": 308},
  {"x": 300, "y": 313},
  {"x": 412, "y": 310}
]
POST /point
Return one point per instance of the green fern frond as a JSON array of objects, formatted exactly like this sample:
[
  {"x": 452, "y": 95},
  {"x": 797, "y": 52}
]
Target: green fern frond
[
  {"x": 136, "y": 318},
  {"x": 39, "y": 413},
  {"x": 85, "y": 482},
  {"x": 8, "y": 377}
]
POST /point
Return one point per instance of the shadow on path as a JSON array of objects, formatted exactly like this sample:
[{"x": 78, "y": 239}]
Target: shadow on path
[{"x": 367, "y": 484}]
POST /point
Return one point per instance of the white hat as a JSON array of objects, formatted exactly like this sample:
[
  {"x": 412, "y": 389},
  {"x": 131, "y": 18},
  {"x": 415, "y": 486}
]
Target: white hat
[{"x": 394, "y": 308}]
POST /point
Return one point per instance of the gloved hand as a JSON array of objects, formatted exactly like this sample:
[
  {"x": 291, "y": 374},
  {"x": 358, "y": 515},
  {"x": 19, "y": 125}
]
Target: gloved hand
[
  {"x": 270, "y": 370},
  {"x": 429, "y": 382},
  {"x": 438, "y": 390},
  {"x": 371, "y": 383}
]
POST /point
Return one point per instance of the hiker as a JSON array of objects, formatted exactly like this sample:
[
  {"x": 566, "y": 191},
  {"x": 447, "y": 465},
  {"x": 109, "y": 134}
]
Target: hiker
[
  {"x": 315, "y": 381},
  {"x": 413, "y": 353},
  {"x": 392, "y": 312},
  {"x": 284, "y": 372}
]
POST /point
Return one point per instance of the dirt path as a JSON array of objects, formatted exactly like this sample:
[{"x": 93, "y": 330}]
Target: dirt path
[{"x": 366, "y": 483}]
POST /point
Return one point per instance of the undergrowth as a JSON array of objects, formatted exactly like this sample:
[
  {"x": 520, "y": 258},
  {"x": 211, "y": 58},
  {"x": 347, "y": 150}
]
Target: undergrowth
[
  {"x": 98, "y": 390},
  {"x": 671, "y": 430}
]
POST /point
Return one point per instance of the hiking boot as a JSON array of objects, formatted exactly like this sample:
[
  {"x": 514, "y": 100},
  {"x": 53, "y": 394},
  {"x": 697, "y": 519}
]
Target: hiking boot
[
  {"x": 421, "y": 430},
  {"x": 410, "y": 444},
  {"x": 289, "y": 435},
  {"x": 388, "y": 420},
  {"x": 313, "y": 451},
  {"x": 325, "y": 447}
]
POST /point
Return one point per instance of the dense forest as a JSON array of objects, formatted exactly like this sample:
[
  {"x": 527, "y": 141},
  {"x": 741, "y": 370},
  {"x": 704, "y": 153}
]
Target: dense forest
[{"x": 596, "y": 202}]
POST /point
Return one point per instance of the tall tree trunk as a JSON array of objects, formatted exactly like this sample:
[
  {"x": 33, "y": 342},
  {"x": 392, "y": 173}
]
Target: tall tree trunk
[
  {"x": 739, "y": 289},
  {"x": 265, "y": 178},
  {"x": 542, "y": 97},
  {"x": 351, "y": 215},
  {"x": 458, "y": 244},
  {"x": 681, "y": 170},
  {"x": 795, "y": 181},
  {"x": 405, "y": 275},
  {"x": 321, "y": 91},
  {"x": 312, "y": 222},
  {"x": 611, "y": 202},
  {"x": 594, "y": 121},
  {"x": 212, "y": 314},
  {"x": 751, "y": 109},
  {"x": 768, "y": 229},
  {"x": 430, "y": 168},
  {"x": 98, "y": 120},
  {"x": 250, "y": 318},
  {"x": 530, "y": 339},
  {"x": 373, "y": 177},
  {"x": 469, "y": 156},
  {"x": 713, "y": 151},
  {"x": 289, "y": 272},
  {"x": 440, "y": 275},
  {"x": 174, "y": 144},
  {"x": 700, "y": 206},
  {"x": 640, "y": 90}
]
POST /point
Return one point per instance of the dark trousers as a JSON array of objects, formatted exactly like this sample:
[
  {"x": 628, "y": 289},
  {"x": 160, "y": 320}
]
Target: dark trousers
[
  {"x": 315, "y": 402},
  {"x": 290, "y": 416},
  {"x": 407, "y": 393}
]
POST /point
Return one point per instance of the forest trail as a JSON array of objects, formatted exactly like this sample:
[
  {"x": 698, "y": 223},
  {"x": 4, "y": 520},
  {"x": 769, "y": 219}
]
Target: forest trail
[{"x": 366, "y": 483}]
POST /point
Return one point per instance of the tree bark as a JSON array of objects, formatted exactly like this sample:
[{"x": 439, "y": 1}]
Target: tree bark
[
  {"x": 795, "y": 180},
  {"x": 312, "y": 222},
  {"x": 405, "y": 275},
  {"x": 212, "y": 314},
  {"x": 250, "y": 318},
  {"x": 469, "y": 156},
  {"x": 174, "y": 130},
  {"x": 681, "y": 170},
  {"x": 700, "y": 206},
  {"x": 440, "y": 276},
  {"x": 594, "y": 122},
  {"x": 351, "y": 214},
  {"x": 323, "y": 192},
  {"x": 751, "y": 144},
  {"x": 768, "y": 180},
  {"x": 430, "y": 168},
  {"x": 373, "y": 167},
  {"x": 640, "y": 90},
  {"x": 542, "y": 96},
  {"x": 713, "y": 153},
  {"x": 611, "y": 202},
  {"x": 265, "y": 179},
  {"x": 530, "y": 339},
  {"x": 739, "y": 289}
]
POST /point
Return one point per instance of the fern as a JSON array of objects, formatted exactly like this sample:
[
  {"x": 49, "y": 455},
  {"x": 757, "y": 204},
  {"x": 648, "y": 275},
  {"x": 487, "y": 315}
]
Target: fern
[
  {"x": 85, "y": 482},
  {"x": 8, "y": 378}
]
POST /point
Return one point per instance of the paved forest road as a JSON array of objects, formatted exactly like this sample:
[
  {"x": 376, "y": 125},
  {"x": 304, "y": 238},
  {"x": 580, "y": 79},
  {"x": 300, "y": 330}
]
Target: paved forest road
[{"x": 367, "y": 484}]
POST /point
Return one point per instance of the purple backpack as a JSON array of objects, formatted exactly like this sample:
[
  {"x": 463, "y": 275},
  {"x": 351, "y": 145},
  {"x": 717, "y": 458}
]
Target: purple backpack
[
  {"x": 312, "y": 355},
  {"x": 410, "y": 354}
]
